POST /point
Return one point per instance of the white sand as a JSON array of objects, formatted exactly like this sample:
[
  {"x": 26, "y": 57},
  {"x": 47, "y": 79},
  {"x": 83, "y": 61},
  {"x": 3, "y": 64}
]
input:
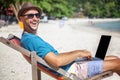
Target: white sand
[{"x": 73, "y": 35}]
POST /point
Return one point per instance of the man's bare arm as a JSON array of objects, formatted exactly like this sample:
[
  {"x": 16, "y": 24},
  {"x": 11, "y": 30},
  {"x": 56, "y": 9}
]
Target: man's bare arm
[{"x": 66, "y": 57}]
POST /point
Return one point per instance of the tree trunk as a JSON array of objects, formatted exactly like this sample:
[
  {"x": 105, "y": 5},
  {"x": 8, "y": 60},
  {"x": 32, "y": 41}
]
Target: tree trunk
[{"x": 16, "y": 7}]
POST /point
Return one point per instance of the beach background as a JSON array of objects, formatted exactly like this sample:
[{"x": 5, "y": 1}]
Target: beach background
[{"x": 64, "y": 36}]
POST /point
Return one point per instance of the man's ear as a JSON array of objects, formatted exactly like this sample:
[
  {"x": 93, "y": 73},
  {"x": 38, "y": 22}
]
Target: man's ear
[{"x": 21, "y": 18}]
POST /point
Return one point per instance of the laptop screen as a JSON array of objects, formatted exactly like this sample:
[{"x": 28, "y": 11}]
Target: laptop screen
[{"x": 103, "y": 46}]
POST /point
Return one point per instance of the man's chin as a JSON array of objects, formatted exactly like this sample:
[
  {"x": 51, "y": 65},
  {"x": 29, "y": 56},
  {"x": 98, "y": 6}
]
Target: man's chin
[{"x": 34, "y": 27}]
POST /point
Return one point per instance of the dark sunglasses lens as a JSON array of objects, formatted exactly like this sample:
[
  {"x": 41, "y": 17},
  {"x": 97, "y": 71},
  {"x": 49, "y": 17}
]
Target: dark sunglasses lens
[
  {"x": 30, "y": 15},
  {"x": 37, "y": 15}
]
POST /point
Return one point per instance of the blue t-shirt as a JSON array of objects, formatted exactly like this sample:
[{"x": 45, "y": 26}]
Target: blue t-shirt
[{"x": 33, "y": 42}]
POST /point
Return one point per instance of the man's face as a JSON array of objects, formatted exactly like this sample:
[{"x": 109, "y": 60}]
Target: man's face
[{"x": 31, "y": 20}]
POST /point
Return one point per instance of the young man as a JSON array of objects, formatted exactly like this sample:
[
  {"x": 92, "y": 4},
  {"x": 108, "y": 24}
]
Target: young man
[{"x": 30, "y": 16}]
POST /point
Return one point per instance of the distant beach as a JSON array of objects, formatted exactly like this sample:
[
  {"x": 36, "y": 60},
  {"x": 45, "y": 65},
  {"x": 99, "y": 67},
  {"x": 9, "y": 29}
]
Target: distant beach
[
  {"x": 102, "y": 26},
  {"x": 72, "y": 34}
]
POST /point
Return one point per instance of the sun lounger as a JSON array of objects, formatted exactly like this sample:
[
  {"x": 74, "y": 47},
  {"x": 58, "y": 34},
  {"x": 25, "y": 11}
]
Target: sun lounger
[{"x": 38, "y": 64}]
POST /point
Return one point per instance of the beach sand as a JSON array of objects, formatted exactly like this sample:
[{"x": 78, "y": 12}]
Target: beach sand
[{"x": 74, "y": 34}]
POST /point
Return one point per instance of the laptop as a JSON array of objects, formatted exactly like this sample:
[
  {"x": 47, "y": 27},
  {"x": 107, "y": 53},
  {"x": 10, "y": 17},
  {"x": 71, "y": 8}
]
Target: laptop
[{"x": 102, "y": 48}]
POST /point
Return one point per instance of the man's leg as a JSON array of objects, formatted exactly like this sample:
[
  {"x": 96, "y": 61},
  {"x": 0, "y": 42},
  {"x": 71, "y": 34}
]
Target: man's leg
[
  {"x": 112, "y": 63},
  {"x": 111, "y": 57}
]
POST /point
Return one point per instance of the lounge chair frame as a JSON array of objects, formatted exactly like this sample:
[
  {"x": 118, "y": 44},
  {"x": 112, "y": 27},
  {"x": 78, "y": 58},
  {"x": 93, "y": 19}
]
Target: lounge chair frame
[{"x": 38, "y": 64}]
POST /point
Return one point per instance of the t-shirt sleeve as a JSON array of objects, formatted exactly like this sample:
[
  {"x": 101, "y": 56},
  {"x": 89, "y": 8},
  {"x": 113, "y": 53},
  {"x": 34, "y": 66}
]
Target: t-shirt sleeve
[{"x": 39, "y": 46}]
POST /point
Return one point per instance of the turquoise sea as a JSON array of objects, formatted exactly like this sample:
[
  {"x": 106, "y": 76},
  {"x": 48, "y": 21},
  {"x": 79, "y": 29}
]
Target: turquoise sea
[{"x": 111, "y": 26}]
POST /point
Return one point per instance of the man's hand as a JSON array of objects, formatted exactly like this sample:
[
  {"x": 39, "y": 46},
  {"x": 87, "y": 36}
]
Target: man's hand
[{"x": 85, "y": 54}]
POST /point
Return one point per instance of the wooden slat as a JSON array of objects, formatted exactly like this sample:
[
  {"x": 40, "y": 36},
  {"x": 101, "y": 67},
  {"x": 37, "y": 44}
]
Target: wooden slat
[
  {"x": 101, "y": 75},
  {"x": 39, "y": 74},
  {"x": 34, "y": 66}
]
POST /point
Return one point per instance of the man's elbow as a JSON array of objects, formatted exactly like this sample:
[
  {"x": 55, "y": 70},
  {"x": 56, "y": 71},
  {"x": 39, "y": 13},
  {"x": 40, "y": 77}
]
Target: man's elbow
[
  {"x": 54, "y": 60},
  {"x": 57, "y": 63}
]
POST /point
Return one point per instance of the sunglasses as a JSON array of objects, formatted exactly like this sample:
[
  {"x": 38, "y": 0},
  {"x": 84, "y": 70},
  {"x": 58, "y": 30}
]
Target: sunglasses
[{"x": 30, "y": 16}]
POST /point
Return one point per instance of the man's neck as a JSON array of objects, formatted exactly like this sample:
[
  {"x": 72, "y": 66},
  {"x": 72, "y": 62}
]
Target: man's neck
[{"x": 33, "y": 32}]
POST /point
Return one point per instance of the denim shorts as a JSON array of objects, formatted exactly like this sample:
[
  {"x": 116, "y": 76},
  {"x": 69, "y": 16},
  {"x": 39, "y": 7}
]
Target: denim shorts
[{"x": 95, "y": 67}]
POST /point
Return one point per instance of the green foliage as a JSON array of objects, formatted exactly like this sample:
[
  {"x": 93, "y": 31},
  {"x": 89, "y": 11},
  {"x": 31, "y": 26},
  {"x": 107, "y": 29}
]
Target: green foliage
[
  {"x": 45, "y": 6},
  {"x": 98, "y": 8},
  {"x": 59, "y": 8}
]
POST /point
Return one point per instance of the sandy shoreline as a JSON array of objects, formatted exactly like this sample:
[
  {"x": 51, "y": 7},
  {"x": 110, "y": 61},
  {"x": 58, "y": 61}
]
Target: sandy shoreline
[{"x": 64, "y": 38}]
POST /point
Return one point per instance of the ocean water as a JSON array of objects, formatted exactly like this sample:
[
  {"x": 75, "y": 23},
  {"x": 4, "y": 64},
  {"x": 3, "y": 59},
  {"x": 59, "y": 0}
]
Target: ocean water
[{"x": 111, "y": 26}]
